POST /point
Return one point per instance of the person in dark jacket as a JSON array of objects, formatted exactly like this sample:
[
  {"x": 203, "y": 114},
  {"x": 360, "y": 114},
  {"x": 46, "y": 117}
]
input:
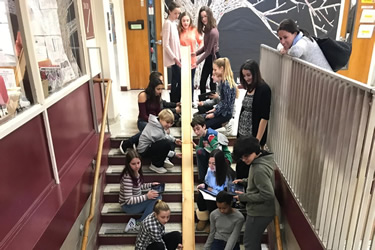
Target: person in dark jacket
[{"x": 255, "y": 111}]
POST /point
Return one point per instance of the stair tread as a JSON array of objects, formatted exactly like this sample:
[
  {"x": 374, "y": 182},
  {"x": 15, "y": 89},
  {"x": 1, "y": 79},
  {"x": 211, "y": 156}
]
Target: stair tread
[
  {"x": 115, "y": 152},
  {"x": 128, "y": 132},
  {"x": 115, "y": 208},
  {"x": 117, "y": 169},
  {"x": 117, "y": 229},
  {"x": 169, "y": 188},
  {"x": 131, "y": 247}
]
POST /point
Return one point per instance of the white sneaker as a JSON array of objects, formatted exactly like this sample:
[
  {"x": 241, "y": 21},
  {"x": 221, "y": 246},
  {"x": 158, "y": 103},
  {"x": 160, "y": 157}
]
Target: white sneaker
[
  {"x": 160, "y": 170},
  {"x": 131, "y": 225},
  {"x": 229, "y": 128},
  {"x": 121, "y": 150},
  {"x": 168, "y": 163},
  {"x": 136, "y": 228}
]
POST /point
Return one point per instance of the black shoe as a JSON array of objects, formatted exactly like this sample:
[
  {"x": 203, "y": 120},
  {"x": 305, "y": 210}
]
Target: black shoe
[{"x": 125, "y": 145}]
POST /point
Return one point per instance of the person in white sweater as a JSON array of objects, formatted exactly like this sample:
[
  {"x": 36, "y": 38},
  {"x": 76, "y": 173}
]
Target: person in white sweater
[
  {"x": 171, "y": 49},
  {"x": 297, "y": 42},
  {"x": 226, "y": 224}
]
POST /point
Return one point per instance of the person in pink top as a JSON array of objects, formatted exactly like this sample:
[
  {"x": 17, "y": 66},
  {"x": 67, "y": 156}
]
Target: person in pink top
[
  {"x": 210, "y": 49},
  {"x": 171, "y": 50},
  {"x": 189, "y": 36}
]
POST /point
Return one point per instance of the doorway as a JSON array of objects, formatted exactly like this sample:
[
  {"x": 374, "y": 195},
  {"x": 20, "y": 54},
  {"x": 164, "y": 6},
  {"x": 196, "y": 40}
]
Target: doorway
[{"x": 143, "y": 20}]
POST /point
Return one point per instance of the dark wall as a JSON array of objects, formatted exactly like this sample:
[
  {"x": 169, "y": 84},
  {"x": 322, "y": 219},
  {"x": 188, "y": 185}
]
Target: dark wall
[
  {"x": 35, "y": 210},
  {"x": 242, "y": 31}
]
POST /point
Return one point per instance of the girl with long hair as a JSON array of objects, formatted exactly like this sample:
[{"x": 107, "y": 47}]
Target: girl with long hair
[
  {"x": 210, "y": 49},
  {"x": 297, "y": 42},
  {"x": 189, "y": 36},
  {"x": 219, "y": 175},
  {"x": 171, "y": 49},
  {"x": 223, "y": 112},
  {"x": 131, "y": 198},
  {"x": 255, "y": 110},
  {"x": 152, "y": 234}
]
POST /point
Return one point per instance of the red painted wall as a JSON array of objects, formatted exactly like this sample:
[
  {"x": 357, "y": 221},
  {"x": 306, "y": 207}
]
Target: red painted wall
[
  {"x": 25, "y": 173},
  {"x": 71, "y": 122},
  {"x": 35, "y": 213}
]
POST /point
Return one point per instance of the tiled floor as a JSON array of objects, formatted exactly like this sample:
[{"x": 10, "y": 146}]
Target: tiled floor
[{"x": 126, "y": 124}]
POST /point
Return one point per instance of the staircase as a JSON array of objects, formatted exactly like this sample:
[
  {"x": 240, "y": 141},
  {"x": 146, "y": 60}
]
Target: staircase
[{"x": 111, "y": 235}]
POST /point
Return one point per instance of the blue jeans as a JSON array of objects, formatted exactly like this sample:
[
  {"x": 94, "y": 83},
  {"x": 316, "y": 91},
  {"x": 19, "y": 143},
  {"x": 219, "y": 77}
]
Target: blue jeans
[
  {"x": 141, "y": 126},
  {"x": 220, "y": 245},
  {"x": 217, "y": 121},
  {"x": 146, "y": 207},
  {"x": 202, "y": 163}
]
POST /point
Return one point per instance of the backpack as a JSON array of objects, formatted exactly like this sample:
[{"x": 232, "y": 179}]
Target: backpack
[{"x": 337, "y": 53}]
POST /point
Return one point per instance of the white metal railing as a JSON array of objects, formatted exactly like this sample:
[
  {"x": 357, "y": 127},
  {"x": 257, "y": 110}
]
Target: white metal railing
[{"x": 322, "y": 132}]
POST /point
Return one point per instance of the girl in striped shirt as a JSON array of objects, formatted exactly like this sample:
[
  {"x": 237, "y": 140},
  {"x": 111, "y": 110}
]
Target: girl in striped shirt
[{"x": 131, "y": 198}]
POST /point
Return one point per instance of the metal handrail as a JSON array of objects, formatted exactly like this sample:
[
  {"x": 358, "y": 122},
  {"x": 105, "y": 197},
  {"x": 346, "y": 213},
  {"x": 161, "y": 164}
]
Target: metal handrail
[{"x": 98, "y": 162}]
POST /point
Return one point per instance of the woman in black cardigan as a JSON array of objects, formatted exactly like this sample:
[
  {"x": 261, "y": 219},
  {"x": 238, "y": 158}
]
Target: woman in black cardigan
[{"x": 255, "y": 111}]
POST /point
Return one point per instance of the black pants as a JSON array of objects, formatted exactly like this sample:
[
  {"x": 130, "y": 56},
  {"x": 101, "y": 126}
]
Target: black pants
[
  {"x": 204, "y": 205},
  {"x": 176, "y": 84},
  {"x": 171, "y": 241},
  {"x": 206, "y": 72},
  {"x": 157, "y": 152}
]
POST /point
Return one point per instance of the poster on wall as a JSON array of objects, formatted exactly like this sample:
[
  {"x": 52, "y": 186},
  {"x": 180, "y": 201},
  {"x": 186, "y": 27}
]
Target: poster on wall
[{"x": 87, "y": 16}]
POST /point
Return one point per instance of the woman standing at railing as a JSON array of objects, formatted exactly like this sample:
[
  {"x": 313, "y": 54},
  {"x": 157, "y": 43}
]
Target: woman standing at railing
[
  {"x": 297, "y": 42},
  {"x": 189, "y": 36},
  {"x": 210, "y": 49},
  {"x": 255, "y": 110},
  {"x": 171, "y": 49}
]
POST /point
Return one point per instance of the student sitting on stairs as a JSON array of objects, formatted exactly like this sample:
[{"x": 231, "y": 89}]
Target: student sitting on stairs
[
  {"x": 152, "y": 235},
  {"x": 157, "y": 143},
  {"x": 209, "y": 140},
  {"x": 219, "y": 175},
  {"x": 226, "y": 224},
  {"x": 131, "y": 198}
]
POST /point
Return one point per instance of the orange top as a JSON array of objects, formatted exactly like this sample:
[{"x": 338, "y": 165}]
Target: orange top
[{"x": 191, "y": 38}]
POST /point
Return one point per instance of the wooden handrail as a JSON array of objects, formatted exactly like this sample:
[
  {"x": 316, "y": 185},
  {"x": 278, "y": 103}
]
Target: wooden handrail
[
  {"x": 188, "y": 224},
  {"x": 98, "y": 163},
  {"x": 278, "y": 234}
]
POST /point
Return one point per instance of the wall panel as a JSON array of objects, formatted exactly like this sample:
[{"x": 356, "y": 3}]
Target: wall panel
[
  {"x": 70, "y": 122},
  {"x": 25, "y": 172}
]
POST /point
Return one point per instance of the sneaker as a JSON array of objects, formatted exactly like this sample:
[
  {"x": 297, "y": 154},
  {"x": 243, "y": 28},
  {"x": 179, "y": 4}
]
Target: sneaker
[
  {"x": 171, "y": 154},
  {"x": 168, "y": 163},
  {"x": 136, "y": 229},
  {"x": 160, "y": 170},
  {"x": 131, "y": 225},
  {"x": 124, "y": 145}
]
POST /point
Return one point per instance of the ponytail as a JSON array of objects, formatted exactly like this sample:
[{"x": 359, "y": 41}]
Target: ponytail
[
  {"x": 228, "y": 73},
  {"x": 160, "y": 206}
]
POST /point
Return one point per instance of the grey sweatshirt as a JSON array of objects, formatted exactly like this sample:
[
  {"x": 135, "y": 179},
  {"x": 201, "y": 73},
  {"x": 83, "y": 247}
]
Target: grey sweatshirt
[
  {"x": 226, "y": 227},
  {"x": 260, "y": 196},
  {"x": 153, "y": 132}
]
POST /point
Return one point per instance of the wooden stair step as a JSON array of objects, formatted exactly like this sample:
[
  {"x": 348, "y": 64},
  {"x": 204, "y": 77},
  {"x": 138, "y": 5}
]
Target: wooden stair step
[
  {"x": 113, "y": 233},
  {"x": 112, "y": 213},
  {"x": 173, "y": 175}
]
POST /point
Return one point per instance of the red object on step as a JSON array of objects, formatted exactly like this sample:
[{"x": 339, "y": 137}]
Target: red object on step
[{"x": 3, "y": 92}]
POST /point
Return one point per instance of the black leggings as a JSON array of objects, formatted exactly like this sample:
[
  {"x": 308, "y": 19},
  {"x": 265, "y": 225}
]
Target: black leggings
[
  {"x": 206, "y": 72},
  {"x": 171, "y": 241},
  {"x": 204, "y": 205}
]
